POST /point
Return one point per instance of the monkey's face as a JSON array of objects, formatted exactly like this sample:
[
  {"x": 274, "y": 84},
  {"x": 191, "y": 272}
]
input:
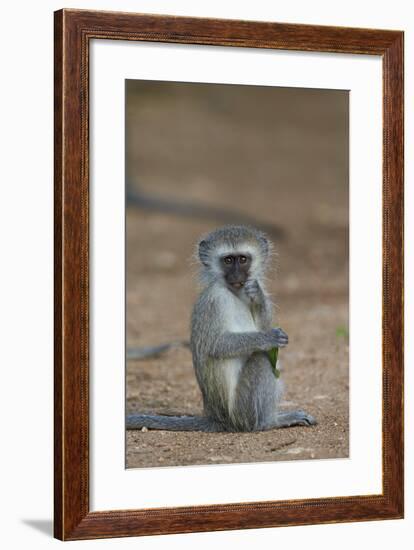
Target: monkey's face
[
  {"x": 231, "y": 255},
  {"x": 235, "y": 268}
]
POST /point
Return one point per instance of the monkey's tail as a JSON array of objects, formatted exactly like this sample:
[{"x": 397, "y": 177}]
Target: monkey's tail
[{"x": 172, "y": 423}]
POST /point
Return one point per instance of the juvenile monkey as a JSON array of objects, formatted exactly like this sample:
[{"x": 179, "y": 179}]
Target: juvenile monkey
[{"x": 230, "y": 334}]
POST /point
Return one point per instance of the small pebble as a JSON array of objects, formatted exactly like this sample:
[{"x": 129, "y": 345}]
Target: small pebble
[{"x": 144, "y": 429}]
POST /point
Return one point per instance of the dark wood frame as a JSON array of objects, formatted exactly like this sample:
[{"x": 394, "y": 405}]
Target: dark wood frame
[{"x": 73, "y": 31}]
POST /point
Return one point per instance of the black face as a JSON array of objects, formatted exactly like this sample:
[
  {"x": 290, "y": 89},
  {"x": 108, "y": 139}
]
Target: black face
[{"x": 236, "y": 269}]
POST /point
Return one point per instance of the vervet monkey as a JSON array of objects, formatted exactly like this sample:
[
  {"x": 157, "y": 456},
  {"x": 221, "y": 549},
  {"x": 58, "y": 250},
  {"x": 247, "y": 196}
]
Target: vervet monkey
[{"x": 231, "y": 332}]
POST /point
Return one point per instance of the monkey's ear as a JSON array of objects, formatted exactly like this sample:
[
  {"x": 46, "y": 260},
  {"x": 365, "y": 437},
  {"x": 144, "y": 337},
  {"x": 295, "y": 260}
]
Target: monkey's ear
[
  {"x": 203, "y": 252},
  {"x": 264, "y": 243}
]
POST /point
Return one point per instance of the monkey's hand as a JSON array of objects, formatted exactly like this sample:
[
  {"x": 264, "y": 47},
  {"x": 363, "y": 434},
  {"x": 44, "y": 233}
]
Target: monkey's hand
[
  {"x": 278, "y": 338},
  {"x": 253, "y": 291}
]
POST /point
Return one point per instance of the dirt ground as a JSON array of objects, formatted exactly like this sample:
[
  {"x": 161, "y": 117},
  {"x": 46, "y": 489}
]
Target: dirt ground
[{"x": 279, "y": 156}]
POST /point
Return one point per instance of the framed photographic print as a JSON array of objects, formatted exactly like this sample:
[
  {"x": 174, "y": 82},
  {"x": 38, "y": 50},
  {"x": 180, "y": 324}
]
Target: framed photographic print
[{"x": 228, "y": 274}]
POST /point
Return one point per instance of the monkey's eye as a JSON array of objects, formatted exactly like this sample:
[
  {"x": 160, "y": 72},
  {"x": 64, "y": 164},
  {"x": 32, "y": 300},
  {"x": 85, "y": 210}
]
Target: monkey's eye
[
  {"x": 228, "y": 260},
  {"x": 243, "y": 259}
]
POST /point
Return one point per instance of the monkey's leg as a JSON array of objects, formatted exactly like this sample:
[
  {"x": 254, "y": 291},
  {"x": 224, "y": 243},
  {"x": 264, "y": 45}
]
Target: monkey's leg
[
  {"x": 258, "y": 398},
  {"x": 258, "y": 394},
  {"x": 293, "y": 418}
]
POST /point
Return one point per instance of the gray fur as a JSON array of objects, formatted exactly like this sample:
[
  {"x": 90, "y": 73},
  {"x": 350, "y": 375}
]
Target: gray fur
[
  {"x": 230, "y": 334},
  {"x": 175, "y": 423}
]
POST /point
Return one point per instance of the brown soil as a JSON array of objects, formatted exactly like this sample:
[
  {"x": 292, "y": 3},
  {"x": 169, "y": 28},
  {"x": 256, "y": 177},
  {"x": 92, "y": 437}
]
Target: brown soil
[{"x": 278, "y": 155}]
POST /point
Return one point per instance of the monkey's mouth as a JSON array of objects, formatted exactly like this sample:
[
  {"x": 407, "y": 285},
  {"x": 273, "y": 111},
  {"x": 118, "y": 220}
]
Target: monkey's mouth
[{"x": 237, "y": 286}]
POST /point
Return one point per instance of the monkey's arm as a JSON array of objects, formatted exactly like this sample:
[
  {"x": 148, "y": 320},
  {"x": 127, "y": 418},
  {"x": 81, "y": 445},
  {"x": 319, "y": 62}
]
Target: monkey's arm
[
  {"x": 235, "y": 344},
  {"x": 260, "y": 304}
]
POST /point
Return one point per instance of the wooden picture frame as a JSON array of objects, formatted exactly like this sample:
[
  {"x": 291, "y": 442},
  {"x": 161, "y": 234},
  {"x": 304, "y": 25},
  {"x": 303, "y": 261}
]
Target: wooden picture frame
[{"x": 73, "y": 31}]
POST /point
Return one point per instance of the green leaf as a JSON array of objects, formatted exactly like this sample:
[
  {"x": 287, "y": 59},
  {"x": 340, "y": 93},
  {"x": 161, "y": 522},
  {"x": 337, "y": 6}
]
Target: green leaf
[
  {"x": 342, "y": 332},
  {"x": 272, "y": 354}
]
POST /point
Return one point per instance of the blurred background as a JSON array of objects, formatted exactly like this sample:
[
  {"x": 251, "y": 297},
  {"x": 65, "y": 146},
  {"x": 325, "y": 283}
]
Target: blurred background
[{"x": 202, "y": 155}]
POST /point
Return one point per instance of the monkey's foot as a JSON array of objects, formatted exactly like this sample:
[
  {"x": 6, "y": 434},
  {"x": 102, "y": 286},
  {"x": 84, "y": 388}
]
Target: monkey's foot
[{"x": 294, "y": 418}]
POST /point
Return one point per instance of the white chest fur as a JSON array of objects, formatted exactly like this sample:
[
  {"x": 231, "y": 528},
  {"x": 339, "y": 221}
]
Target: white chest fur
[{"x": 238, "y": 318}]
